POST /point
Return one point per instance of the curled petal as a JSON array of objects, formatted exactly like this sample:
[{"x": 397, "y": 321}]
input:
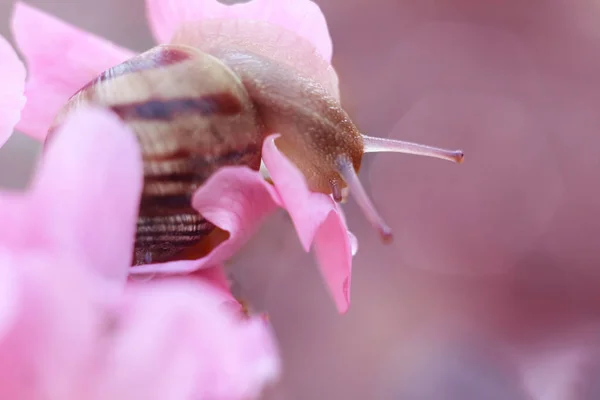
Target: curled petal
[
  {"x": 303, "y": 17},
  {"x": 12, "y": 87},
  {"x": 89, "y": 187},
  {"x": 317, "y": 219},
  {"x": 236, "y": 199},
  {"x": 291, "y": 32},
  {"x": 60, "y": 59}
]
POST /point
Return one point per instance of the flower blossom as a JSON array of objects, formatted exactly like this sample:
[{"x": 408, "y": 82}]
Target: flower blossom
[
  {"x": 234, "y": 199},
  {"x": 70, "y": 326}
]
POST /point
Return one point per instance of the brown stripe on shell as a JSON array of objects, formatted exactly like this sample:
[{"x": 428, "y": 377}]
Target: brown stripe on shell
[
  {"x": 167, "y": 188},
  {"x": 154, "y": 223},
  {"x": 177, "y": 243},
  {"x": 169, "y": 109},
  {"x": 191, "y": 169},
  {"x": 171, "y": 202},
  {"x": 159, "y": 238},
  {"x": 183, "y": 224},
  {"x": 178, "y": 164},
  {"x": 179, "y": 177},
  {"x": 178, "y": 155},
  {"x": 158, "y": 57}
]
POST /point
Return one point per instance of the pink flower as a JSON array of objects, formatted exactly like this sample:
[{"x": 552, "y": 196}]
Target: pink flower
[
  {"x": 69, "y": 326},
  {"x": 234, "y": 199},
  {"x": 63, "y": 337}
]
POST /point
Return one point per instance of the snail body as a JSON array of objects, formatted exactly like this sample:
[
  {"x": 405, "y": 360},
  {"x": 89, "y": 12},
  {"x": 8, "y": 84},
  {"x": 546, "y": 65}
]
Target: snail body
[
  {"x": 195, "y": 112},
  {"x": 315, "y": 130}
]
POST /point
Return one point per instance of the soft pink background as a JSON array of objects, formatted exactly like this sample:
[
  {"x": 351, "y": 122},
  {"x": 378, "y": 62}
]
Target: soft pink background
[{"x": 490, "y": 289}]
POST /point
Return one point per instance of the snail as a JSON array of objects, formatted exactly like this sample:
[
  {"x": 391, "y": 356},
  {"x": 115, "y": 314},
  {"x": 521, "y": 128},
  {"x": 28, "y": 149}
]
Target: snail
[{"x": 195, "y": 112}]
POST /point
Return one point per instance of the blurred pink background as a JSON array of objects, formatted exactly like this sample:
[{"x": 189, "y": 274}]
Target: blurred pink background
[{"x": 490, "y": 288}]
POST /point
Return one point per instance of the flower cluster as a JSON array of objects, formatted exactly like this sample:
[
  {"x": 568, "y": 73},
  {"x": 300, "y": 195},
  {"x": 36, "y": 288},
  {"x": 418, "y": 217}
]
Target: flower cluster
[
  {"x": 317, "y": 218},
  {"x": 72, "y": 325}
]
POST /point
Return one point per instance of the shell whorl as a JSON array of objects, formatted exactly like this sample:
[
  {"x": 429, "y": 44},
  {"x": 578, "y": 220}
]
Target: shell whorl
[{"x": 191, "y": 116}]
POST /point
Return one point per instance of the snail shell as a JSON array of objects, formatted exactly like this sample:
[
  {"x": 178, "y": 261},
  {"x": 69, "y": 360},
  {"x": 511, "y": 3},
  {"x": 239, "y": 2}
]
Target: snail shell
[{"x": 191, "y": 115}]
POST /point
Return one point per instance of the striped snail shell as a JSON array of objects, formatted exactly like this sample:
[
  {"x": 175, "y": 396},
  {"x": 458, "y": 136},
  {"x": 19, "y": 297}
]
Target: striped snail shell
[
  {"x": 194, "y": 112},
  {"x": 191, "y": 115}
]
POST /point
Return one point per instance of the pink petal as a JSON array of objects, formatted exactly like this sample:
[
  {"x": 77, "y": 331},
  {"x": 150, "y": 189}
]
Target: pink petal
[
  {"x": 213, "y": 275},
  {"x": 53, "y": 332},
  {"x": 61, "y": 59},
  {"x": 12, "y": 87},
  {"x": 21, "y": 224},
  {"x": 317, "y": 220},
  {"x": 236, "y": 199},
  {"x": 291, "y": 32},
  {"x": 216, "y": 276},
  {"x": 163, "y": 349},
  {"x": 353, "y": 243},
  {"x": 302, "y": 17},
  {"x": 89, "y": 187},
  {"x": 333, "y": 250},
  {"x": 9, "y": 296}
]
